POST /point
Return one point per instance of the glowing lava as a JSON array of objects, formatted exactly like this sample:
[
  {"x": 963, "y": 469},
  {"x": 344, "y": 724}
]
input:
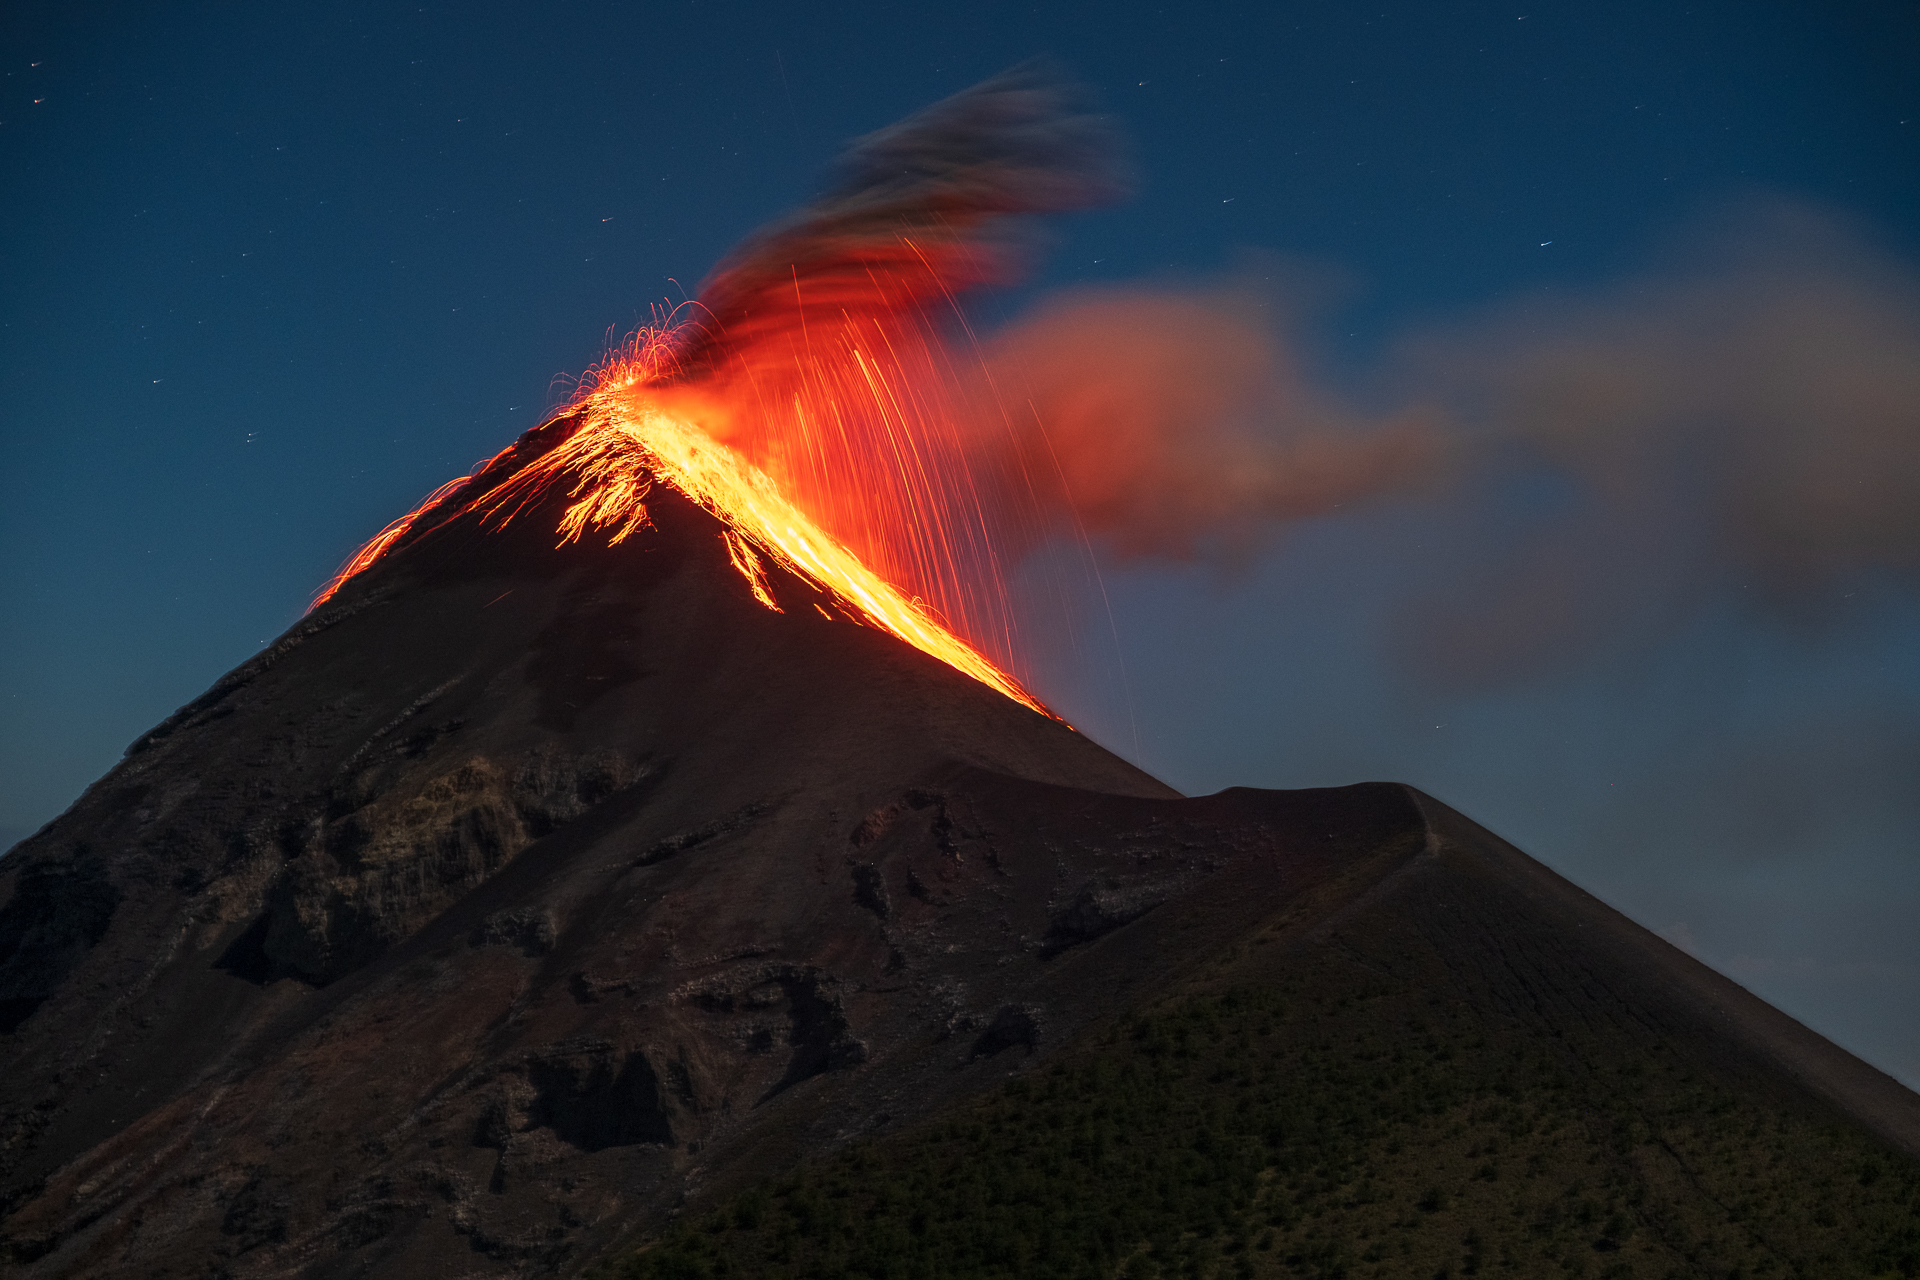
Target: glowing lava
[{"x": 625, "y": 437}]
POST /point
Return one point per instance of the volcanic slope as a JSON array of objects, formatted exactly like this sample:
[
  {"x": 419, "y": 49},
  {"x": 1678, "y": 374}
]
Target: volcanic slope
[
  {"x": 522, "y": 897},
  {"x": 1466, "y": 1068}
]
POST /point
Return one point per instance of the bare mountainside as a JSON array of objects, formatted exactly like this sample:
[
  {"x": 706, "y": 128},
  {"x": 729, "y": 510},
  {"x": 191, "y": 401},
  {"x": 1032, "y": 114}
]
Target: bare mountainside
[{"x": 522, "y": 897}]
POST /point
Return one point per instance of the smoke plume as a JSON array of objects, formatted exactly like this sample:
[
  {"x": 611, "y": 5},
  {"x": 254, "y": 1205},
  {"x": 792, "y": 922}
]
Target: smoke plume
[
  {"x": 919, "y": 212},
  {"x": 1748, "y": 419},
  {"x": 1176, "y": 423},
  {"x": 1748, "y": 422}
]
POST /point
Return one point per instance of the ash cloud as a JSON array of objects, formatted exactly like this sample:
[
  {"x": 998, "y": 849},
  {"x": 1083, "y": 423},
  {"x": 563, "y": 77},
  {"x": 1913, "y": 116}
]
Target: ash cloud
[
  {"x": 1598, "y": 467},
  {"x": 1787, "y": 375},
  {"x": 1165, "y": 421},
  {"x": 1178, "y": 423},
  {"x": 919, "y": 212},
  {"x": 1745, "y": 423}
]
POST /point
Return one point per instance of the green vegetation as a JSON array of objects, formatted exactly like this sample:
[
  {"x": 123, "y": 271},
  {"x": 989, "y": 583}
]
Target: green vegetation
[{"x": 1266, "y": 1131}]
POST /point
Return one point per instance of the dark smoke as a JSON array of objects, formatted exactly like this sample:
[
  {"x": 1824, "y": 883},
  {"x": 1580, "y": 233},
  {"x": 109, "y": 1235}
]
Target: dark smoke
[
  {"x": 1785, "y": 378},
  {"x": 1748, "y": 422},
  {"x": 921, "y": 211}
]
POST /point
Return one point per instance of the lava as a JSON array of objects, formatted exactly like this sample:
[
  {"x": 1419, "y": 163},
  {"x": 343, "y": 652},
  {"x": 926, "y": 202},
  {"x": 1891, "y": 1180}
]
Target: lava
[{"x": 625, "y": 436}]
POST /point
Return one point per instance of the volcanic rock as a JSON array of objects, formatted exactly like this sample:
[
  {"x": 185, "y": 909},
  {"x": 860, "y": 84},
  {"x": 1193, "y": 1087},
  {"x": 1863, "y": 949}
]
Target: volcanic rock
[{"x": 522, "y": 896}]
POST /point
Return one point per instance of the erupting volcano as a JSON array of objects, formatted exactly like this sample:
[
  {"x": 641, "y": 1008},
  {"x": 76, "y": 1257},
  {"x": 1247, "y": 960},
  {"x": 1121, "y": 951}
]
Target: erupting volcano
[
  {"x": 574, "y": 867},
  {"x": 814, "y": 398}
]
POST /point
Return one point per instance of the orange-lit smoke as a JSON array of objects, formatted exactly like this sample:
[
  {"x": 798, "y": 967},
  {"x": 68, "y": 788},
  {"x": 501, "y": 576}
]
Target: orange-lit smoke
[{"x": 1175, "y": 422}]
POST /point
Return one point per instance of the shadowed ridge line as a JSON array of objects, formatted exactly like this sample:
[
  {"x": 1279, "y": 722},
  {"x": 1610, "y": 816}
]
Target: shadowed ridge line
[{"x": 1713, "y": 1001}]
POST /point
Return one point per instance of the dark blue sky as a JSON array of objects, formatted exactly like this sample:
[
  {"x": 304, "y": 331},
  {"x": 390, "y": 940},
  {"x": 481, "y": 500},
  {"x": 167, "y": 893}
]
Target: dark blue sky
[{"x": 268, "y": 273}]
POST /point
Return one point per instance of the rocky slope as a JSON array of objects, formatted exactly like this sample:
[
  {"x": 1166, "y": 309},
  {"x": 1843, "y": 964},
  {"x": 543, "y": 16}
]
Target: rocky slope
[{"x": 523, "y": 896}]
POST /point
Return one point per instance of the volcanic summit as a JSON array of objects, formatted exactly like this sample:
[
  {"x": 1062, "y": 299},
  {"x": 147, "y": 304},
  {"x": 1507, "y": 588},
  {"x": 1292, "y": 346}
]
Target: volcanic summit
[{"x": 528, "y": 908}]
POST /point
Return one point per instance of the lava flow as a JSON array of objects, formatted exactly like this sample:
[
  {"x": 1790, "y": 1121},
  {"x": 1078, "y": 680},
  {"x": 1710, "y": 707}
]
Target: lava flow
[{"x": 818, "y": 406}]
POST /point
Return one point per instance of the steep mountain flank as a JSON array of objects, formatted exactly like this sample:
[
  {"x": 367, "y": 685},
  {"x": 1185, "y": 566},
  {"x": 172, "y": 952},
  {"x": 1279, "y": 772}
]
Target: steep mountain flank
[{"x": 525, "y": 897}]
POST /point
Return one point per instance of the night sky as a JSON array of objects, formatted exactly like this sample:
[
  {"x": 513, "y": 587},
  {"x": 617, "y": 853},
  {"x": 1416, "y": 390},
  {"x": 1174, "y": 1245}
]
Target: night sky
[{"x": 269, "y": 273}]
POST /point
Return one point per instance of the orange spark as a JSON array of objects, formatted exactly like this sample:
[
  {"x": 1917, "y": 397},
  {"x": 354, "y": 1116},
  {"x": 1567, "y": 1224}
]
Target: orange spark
[{"x": 378, "y": 544}]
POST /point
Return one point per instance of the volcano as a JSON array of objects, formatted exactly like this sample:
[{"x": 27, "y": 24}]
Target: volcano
[
  {"x": 524, "y": 897},
  {"x": 616, "y": 871}
]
